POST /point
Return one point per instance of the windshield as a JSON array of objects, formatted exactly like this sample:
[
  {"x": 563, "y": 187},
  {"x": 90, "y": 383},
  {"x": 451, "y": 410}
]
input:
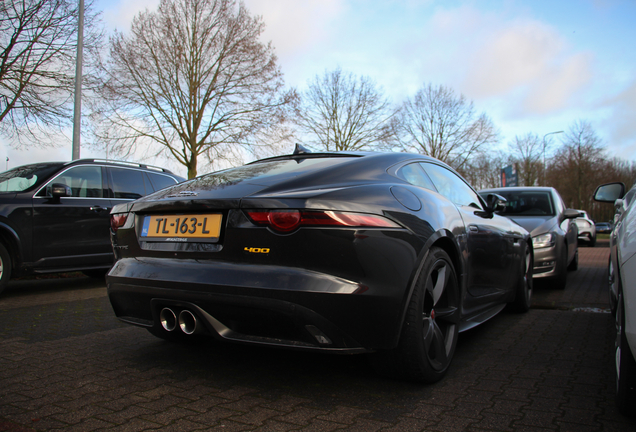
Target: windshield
[
  {"x": 529, "y": 203},
  {"x": 26, "y": 177}
]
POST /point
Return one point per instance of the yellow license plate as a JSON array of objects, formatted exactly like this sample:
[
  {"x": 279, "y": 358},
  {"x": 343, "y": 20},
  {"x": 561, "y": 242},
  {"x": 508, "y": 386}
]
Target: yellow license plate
[{"x": 179, "y": 227}]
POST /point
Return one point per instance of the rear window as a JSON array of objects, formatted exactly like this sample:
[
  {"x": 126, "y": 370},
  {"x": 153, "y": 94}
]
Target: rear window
[
  {"x": 160, "y": 181},
  {"x": 127, "y": 183},
  {"x": 268, "y": 172}
]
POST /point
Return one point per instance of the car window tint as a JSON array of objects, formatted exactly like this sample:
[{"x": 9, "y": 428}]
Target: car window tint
[
  {"x": 26, "y": 177},
  {"x": 127, "y": 183},
  {"x": 160, "y": 181},
  {"x": 267, "y": 172},
  {"x": 414, "y": 174},
  {"x": 528, "y": 203},
  {"x": 451, "y": 185},
  {"x": 84, "y": 181}
]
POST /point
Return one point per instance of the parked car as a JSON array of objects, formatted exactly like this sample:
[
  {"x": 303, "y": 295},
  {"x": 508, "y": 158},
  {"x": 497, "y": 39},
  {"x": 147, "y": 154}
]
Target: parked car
[
  {"x": 587, "y": 228},
  {"x": 622, "y": 282},
  {"x": 554, "y": 233},
  {"x": 603, "y": 227},
  {"x": 55, "y": 216},
  {"x": 337, "y": 252}
]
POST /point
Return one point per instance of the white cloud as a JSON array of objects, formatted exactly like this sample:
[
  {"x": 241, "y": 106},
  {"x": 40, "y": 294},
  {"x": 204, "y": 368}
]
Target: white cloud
[
  {"x": 560, "y": 85},
  {"x": 512, "y": 56},
  {"x": 621, "y": 129},
  {"x": 120, "y": 13},
  {"x": 528, "y": 62},
  {"x": 296, "y": 26}
]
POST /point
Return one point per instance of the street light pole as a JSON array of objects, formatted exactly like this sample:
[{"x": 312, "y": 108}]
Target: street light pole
[
  {"x": 544, "y": 147},
  {"x": 77, "y": 114}
]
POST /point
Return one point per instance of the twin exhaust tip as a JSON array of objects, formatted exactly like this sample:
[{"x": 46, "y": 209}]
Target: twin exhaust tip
[{"x": 187, "y": 322}]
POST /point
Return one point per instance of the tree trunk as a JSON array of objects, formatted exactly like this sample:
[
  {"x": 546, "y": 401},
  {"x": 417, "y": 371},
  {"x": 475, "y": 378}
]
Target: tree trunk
[{"x": 192, "y": 166}]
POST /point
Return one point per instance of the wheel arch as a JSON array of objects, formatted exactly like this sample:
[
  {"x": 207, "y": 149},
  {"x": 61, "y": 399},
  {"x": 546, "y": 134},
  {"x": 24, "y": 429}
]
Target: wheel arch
[
  {"x": 11, "y": 241},
  {"x": 445, "y": 241}
]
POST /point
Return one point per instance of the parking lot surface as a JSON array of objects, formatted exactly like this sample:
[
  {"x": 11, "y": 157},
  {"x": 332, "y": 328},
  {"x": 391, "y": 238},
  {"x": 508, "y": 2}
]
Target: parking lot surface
[{"x": 66, "y": 363}]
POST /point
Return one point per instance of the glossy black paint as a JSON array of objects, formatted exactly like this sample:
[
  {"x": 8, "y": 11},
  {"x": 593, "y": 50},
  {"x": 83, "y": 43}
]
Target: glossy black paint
[{"x": 339, "y": 289}]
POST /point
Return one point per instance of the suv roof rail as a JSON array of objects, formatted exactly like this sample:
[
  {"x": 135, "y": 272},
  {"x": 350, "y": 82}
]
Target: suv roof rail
[{"x": 124, "y": 163}]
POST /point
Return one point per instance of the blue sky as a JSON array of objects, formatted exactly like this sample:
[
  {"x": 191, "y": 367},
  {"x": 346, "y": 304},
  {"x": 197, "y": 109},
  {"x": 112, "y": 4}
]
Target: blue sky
[{"x": 532, "y": 66}]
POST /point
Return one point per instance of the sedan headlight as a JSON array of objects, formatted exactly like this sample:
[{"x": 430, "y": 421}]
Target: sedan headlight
[{"x": 544, "y": 240}]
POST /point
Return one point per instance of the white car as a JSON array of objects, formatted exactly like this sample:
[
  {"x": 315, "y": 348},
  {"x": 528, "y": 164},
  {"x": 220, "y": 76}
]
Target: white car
[
  {"x": 587, "y": 228},
  {"x": 622, "y": 281}
]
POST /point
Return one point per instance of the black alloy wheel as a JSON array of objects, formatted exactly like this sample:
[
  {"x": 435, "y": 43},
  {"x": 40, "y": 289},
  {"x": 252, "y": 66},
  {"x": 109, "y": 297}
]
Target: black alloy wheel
[
  {"x": 625, "y": 370},
  {"x": 431, "y": 326}
]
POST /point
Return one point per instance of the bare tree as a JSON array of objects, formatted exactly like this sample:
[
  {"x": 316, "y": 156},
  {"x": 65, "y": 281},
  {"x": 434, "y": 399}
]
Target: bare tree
[
  {"x": 38, "y": 42},
  {"x": 612, "y": 170},
  {"x": 194, "y": 78},
  {"x": 577, "y": 167},
  {"x": 340, "y": 111},
  {"x": 527, "y": 154},
  {"x": 439, "y": 124},
  {"x": 484, "y": 170}
]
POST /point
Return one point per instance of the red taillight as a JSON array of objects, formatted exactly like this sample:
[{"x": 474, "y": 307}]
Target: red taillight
[
  {"x": 286, "y": 221},
  {"x": 117, "y": 221}
]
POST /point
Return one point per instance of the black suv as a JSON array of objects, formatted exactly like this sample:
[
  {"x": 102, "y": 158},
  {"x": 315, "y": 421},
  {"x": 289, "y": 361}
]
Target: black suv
[{"x": 55, "y": 216}]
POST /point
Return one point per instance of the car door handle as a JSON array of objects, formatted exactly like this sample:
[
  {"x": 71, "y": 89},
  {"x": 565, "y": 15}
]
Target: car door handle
[
  {"x": 473, "y": 228},
  {"x": 98, "y": 209}
]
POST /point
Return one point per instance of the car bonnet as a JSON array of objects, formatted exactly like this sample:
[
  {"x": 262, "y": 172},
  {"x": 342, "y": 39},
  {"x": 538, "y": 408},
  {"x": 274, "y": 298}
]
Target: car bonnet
[{"x": 536, "y": 225}]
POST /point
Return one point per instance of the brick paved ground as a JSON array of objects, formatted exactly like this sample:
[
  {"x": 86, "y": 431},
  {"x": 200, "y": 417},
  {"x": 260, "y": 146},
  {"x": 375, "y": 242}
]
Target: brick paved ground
[{"x": 66, "y": 363}]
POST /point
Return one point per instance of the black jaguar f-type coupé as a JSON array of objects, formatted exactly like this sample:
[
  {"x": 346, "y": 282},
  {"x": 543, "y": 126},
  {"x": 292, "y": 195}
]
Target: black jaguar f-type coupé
[{"x": 390, "y": 253}]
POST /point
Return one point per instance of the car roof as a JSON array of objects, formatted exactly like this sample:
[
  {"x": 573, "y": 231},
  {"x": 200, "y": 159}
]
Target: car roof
[
  {"x": 390, "y": 156},
  {"x": 127, "y": 164},
  {"x": 520, "y": 188},
  {"x": 108, "y": 162}
]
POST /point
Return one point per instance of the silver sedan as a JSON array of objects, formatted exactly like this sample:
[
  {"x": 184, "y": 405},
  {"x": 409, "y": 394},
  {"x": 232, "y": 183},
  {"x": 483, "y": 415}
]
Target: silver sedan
[{"x": 542, "y": 212}]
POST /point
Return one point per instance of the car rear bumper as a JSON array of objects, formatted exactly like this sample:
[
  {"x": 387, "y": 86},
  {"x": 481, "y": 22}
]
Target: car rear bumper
[{"x": 278, "y": 306}]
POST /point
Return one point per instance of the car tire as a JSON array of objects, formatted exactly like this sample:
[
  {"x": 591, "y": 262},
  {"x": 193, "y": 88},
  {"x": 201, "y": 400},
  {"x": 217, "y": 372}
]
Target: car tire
[
  {"x": 625, "y": 369},
  {"x": 431, "y": 325},
  {"x": 574, "y": 265},
  {"x": 592, "y": 242},
  {"x": 523, "y": 292},
  {"x": 611, "y": 281},
  {"x": 96, "y": 273},
  {"x": 5, "y": 267}
]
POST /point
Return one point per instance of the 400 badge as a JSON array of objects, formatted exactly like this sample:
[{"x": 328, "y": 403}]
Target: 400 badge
[{"x": 255, "y": 250}]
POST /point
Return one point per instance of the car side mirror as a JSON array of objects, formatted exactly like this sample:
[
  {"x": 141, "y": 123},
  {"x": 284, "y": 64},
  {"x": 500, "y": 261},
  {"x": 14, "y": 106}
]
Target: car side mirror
[
  {"x": 495, "y": 203},
  {"x": 59, "y": 190},
  {"x": 609, "y": 192},
  {"x": 571, "y": 214}
]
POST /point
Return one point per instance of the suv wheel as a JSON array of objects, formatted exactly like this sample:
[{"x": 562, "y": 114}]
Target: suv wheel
[{"x": 5, "y": 267}]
